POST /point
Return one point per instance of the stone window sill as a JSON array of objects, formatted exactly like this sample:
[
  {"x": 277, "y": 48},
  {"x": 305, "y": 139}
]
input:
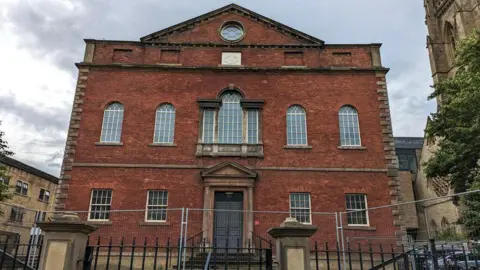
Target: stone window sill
[
  {"x": 231, "y": 66},
  {"x": 229, "y": 150},
  {"x": 15, "y": 223},
  {"x": 297, "y": 147},
  {"x": 154, "y": 223},
  {"x": 293, "y": 67},
  {"x": 360, "y": 228},
  {"x": 170, "y": 64},
  {"x": 352, "y": 147},
  {"x": 109, "y": 144},
  {"x": 42, "y": 201},
  {"x": 100, "y": 222},
  {"x": 20, "y": 194},
  {"x": 162, "y": 144}
]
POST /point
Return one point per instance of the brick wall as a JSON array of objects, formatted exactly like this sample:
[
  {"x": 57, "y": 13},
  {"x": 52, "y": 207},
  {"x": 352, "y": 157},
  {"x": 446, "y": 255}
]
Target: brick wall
[{"x": 325, "y": 171}]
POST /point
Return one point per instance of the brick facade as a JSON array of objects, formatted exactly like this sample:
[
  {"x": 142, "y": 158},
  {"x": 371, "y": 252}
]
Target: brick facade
[{"x": 181, "y": 66}]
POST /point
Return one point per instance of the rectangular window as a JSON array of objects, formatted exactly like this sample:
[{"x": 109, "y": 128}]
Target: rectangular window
[
  {"x": 157, "y": 205},
  {"x": 407, "y": 160},
  {"x": 44, "y": 195},
  {"x": 252, "y": 124},
  {"x": 5, "y": 180},
  {"x": 21, "y": 188},
  {"x": 300, "y": 207},
  {"x": 100, "y": 204},
  {"x": 16, "y": 214},
  {"x": 357, "y": 202},
  {"x": 40, "y": 216},
  {"x": 208, "y": 125}
]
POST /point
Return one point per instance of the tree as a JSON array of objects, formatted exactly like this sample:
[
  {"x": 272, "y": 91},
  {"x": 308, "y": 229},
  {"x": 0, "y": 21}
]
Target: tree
[
  {"x": 456, "y": 125},
  {"x": 471, "y": 214},
  {"x": 5, "y": 193}
]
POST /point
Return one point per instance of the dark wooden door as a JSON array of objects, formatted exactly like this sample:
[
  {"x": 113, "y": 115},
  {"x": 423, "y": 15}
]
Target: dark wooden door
[{"x": 228, "y": 224}]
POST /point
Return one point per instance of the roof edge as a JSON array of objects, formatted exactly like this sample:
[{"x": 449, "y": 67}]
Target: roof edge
[
  {"x": 29, "y": 169},
  {"x": 226, "y": 8}
]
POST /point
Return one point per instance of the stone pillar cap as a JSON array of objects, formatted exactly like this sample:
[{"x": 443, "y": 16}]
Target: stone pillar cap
[
  {"x": 66, "y": 222},
  {"x": 292, "y": 228}
]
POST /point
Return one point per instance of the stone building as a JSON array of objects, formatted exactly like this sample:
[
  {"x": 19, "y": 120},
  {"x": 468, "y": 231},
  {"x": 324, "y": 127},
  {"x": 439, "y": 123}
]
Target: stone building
[
  {"x": 447, "y": 21},
  {"x": 230, "y": 110},
  {"x": 33, "y": 197},
  {"x": 408, "y": 151}
]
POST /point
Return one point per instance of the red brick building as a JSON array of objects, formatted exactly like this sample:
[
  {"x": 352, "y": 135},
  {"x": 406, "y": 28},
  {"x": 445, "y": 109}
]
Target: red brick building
[{"x": 230, "y": 110}]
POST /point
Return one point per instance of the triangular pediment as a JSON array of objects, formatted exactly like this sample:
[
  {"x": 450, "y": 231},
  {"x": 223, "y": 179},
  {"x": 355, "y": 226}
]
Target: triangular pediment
[
  {"x": 229, "y": 170},
  {"x": 192, "y": 31}
]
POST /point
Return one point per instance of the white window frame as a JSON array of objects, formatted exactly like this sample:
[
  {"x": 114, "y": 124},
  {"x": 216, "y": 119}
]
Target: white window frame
[
  {"x": 366, "y": 210},
  {"x": 157, "y": 131},
  {"x": 120, "y": 123},
  {"x": 24, "y": 186},
  {"x": 306, "y": 127},
  {"x": 214, "y": 124},
  {"x": 247, "y": 126},
  {"x": 90, "y": 205},
  {"x": 45, "y": 191},
  {"x": 309, "y": 206},
  {"x": 358, "y": 125},
  {"x": 147, "y": 205}
]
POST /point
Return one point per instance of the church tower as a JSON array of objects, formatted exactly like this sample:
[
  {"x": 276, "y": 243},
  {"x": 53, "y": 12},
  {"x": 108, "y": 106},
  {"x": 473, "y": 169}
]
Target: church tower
[{"x": 447, "y": 21}]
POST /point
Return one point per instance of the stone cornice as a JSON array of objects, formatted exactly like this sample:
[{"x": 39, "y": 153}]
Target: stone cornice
[
  {"x": 217, "y": 68},
  {"x": 196, "y": 167},
  {"x": 178, "y": 45}
]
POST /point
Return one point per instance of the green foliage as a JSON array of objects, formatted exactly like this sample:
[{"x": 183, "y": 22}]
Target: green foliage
[
  {"x": 5, "y": 193},
  {"x": 457, "y": 122},
  {"x": 449, "y": 234},
  {"x": 471, "y": 214}
]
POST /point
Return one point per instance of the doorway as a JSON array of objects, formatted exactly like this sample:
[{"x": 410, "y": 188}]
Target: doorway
[{"x": 228, "y": 224}]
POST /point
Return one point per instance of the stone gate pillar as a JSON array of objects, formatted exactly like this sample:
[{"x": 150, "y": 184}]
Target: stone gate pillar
[
  {"x": 64, "y": 242},
  {"x": 292, "y": 244}
]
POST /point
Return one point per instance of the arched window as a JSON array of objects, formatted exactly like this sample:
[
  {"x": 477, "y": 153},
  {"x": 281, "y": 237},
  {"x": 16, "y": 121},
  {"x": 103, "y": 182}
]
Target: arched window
[
  {"x": 230, "y": 119},
  {"x": 445, "y": 224},
  {"x": 112, "y": 123},
  {"x": 349, "y": 127},
  {"x": 164, "y": 124},
  {"x": 296, "y": 126},
  {"x": 450, "y": 41}
]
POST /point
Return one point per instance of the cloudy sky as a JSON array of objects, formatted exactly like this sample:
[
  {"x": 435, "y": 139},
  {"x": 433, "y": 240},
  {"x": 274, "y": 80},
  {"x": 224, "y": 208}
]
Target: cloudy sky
[{"x": 40, "y": 40}]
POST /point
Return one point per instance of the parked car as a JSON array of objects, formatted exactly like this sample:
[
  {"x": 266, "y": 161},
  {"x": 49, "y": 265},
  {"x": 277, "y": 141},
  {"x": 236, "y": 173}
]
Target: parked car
[{"x": 460, "y": 261}]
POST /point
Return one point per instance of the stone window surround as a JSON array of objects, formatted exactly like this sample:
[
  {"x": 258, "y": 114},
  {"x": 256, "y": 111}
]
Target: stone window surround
[{"x": 241, "y": 150}]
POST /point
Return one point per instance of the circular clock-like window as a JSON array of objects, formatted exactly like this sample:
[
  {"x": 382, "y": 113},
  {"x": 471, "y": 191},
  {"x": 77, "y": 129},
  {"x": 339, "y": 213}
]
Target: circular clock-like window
[{"x": 232, "y": 31}]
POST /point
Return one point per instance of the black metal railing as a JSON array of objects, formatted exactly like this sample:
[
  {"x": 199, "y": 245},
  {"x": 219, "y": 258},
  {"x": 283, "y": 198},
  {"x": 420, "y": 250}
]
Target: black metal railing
[
  {"x": 146, "y": 254},
  {"x": 431, "y": 256},
  {"x": 15, "y": 254},
  {"x": 150, "y": 254},
  {"x": 227, "y": 256},
  {"x": 260, "y": 241}
]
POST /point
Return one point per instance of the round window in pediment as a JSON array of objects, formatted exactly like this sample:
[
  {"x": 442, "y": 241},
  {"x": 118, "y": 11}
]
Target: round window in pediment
[{"x": 232, "y": 31}]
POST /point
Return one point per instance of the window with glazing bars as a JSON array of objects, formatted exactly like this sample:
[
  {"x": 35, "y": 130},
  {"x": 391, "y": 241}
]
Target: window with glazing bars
[
  {"x": 112, "y": 123},
  {"x": 349, "y": 127},
  {"x": 157, "y": 205},
  {"x": 300, "y": 207},
  {"x": 230, "y": 119},
  {"x": 100, "y": 204},
  {"x": 252, "y": 125},
  {"x": 44, "y": 195},
  {"x": 21, "y": 188},
  {"x": 164, "y": 124},
  {"x": 296, "y": 126},
  {"x": 357, "y": 202},
  {"x": 208, "y": 125},
  {"x": 5, "y": 180},
  {"x": 16, "y": 214}
]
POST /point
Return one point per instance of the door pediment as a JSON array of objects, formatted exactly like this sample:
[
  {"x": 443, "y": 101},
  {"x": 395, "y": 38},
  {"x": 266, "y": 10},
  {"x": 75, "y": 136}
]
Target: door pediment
[{"x": 229, "y": 170}]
